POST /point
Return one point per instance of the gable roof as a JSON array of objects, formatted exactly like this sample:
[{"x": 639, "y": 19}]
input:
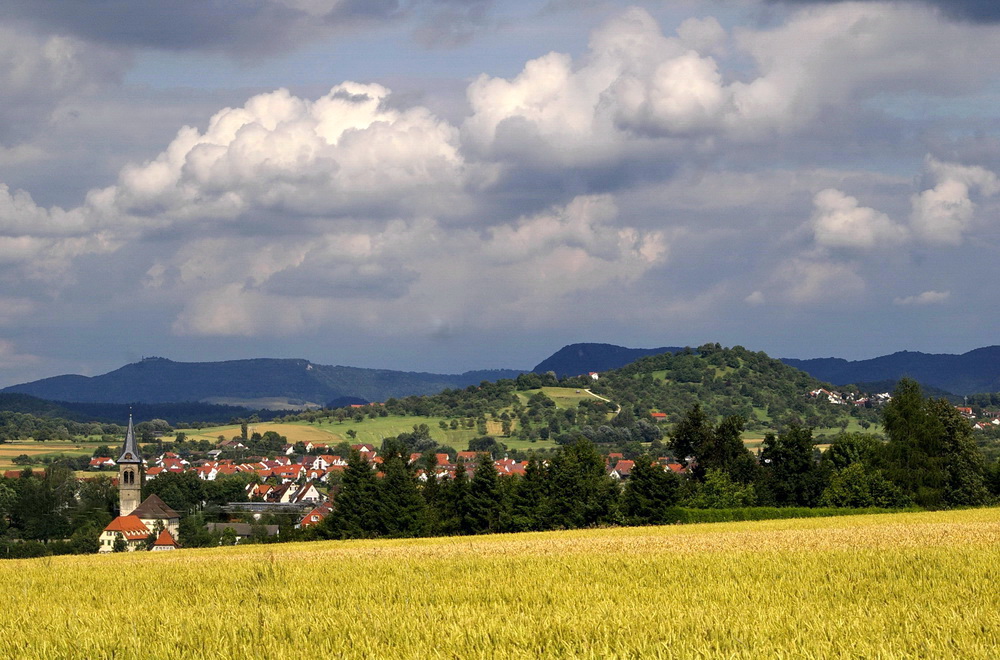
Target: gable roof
[
  {"x": 155, "y": 508},
  {"x": 165, "y": 539},
  {"x": 129, "y": 526}
]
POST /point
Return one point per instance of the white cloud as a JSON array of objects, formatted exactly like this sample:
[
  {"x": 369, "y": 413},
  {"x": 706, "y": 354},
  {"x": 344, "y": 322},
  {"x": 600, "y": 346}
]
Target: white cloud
[
  {"x": 945, "y": 213},
  {"x": 38, "y": 73},
  {"x": 925, "y": 298},
  {"x": 839, "y": 222},
  {"x": 634, "y": 84},
  {"x": 526, "y": 271},
  {"x": 810, "y": 280},
  {"x": 342, "y": 154}
]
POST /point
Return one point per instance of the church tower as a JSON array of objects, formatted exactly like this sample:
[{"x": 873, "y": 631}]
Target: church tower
[{"x": 130, "y": 473}]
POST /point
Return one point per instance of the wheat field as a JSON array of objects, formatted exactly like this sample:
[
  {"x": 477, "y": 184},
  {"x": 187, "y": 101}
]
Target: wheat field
[{"x": 902, "y": 585}]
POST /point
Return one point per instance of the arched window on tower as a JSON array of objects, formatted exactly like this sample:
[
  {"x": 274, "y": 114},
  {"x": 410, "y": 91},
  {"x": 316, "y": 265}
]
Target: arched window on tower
[{"x": 129, "y": 477}]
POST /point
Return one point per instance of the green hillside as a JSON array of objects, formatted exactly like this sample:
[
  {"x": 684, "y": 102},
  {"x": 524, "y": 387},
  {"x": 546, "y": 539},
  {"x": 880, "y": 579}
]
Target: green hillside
[{"x": 728, "y": 381}]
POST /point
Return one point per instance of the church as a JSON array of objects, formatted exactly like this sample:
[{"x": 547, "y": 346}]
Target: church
[{"x": 138, "y": 519}]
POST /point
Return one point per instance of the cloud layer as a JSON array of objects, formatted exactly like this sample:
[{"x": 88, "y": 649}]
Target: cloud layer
[{"x": 696, "y": 179}]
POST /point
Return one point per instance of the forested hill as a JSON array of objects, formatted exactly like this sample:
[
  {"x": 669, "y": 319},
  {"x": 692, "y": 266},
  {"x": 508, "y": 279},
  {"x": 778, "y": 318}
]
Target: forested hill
[
  {"x": 726, "y": 381},
  {"x": 258, "y": 383},
  {"x": 723, "y": 381},
  {"x": 577, "y": 359},
  {"x": 969, "y": 373}
]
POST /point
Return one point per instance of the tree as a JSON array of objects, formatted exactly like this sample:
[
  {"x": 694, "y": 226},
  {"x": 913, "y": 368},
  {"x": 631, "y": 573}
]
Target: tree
[
  {"x": 400, "y": 510},
  {"x": 528, "y": 499},
  {"x": 931, "y": 454},
  {"x": 193, "y": 533},
  {"x": 914, "y": 453},
  {"x": 181, "y": 491},
  {"x": 858, "y": 486},
  {"x": 355, "y": 508},
  {"x": 792, "y": 475},
  {"x": 455, "y": 503},
  {"x": 649, "y": 492},
  {"x": 693, "y": 432},
  {"x": 720, "y": 491},
  {"x": 485, "y": 497},
  {"x": 581, "y": 492}
]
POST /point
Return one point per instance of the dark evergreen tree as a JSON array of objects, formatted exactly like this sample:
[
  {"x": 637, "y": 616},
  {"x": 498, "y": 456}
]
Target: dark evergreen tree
[
  {"x": 649, "y": 492},
  {"x": 581, "y": 494},
  {"x": 485, "y": 497},
  {"x": 528, "y": 499},
  {"x": 355, "y": 508},
  {"x": 431, "y": 492},
  {"x": 400, "y": 506},
  {"x": 455, "y": 503}
]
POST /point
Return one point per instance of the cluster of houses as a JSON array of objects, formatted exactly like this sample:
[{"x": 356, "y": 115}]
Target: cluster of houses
[{"x": 850, "y": 398}]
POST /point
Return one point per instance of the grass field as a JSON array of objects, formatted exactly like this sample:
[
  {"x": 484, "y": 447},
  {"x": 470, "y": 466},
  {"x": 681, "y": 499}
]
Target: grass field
[
  {"x": 371, "y": 431},
  {"x": 39, "y": 450},
  {"x": 890, "y": 586}
]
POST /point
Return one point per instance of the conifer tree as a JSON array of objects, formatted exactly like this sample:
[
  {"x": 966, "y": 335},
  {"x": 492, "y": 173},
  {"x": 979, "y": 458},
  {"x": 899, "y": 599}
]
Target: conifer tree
[
  {"x": 649, "y": 492},
  {"x": 401, "y": 508},
  {"x": 581, "y": 492},
  {"x": 485, "y": 495},
  {"x": 455, "y": 502},
  {"x": 355, "y": 507},
  {"x": 528, "y": 497}
]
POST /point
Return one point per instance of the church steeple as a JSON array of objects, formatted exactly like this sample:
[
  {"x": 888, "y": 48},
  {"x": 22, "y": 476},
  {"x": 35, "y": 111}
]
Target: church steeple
[
  {"x": 130, "y": 450},
  {"x": 130, "y": 473}
]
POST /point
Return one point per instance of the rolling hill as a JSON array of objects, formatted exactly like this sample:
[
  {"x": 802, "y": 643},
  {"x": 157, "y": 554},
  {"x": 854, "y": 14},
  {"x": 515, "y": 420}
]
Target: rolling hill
[{"x": 257, "y": 383}]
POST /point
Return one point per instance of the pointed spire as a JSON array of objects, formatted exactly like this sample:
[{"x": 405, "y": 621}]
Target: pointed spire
[{"x": 130, "y": 449}]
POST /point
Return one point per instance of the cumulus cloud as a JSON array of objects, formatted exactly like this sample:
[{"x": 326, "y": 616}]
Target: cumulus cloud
[
  {"x": 344, "y": 153},
  {"x": 840, "y": 222},
  {"x": 38, "y": 73},
  {"x": 811, "y": 279},
  {"x": 945, "y": 213},
  {"x": 635, "y": 84},
  {"x": 41, "y": 244},
  {"x": 925, "y": 298},
  {"x": 523, "y": 270}
]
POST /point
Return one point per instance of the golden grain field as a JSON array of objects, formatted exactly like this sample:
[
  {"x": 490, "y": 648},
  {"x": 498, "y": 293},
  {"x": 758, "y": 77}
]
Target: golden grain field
[{"x": 904, "y": 585}]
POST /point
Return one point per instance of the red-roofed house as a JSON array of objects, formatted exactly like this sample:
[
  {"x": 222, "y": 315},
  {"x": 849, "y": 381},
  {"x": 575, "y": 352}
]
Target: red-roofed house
[
  {"x": 317, "y": 515},
  {"x": 622, "y": 470},
  {"x": 165, "y": 541},
  {"x": 129, "y": 528}
]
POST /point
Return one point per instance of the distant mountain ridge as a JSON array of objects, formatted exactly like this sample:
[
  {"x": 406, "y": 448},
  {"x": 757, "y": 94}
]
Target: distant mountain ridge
[
  {"x": 261, "y": 382},
  {"x": 286, "y": 383},
  {"x": 969, "y": 373}
]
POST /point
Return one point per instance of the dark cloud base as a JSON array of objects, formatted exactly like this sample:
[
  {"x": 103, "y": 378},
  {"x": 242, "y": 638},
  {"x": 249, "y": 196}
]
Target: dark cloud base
[{"x": 977, "y": 11}]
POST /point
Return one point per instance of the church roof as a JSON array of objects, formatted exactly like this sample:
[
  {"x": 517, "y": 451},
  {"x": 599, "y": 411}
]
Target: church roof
[
  {"x": 130, "y": 527},
  {"x": 130, "y": 449},
  {"x": 154, "y": 508}
]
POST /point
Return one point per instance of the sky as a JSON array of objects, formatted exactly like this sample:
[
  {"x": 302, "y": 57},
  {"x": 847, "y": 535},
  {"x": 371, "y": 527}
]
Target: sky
[{"x": 447, "y": 185}]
